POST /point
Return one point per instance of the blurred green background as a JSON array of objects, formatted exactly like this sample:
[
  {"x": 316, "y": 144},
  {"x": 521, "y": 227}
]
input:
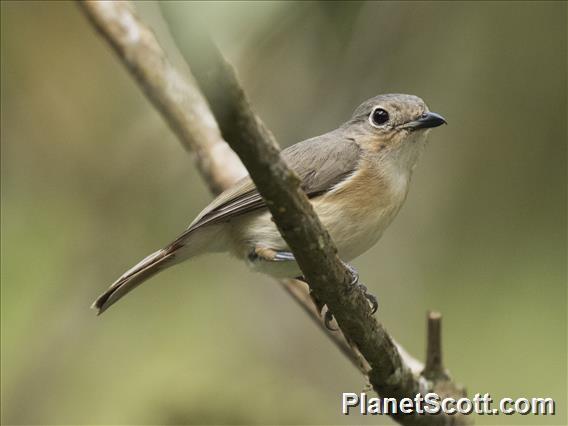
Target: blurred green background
[{"x": 93, "y": 180}]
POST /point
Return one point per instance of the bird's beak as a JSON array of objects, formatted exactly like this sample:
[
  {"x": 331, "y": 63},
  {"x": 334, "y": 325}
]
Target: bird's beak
[{"x": 427, "y": 121}]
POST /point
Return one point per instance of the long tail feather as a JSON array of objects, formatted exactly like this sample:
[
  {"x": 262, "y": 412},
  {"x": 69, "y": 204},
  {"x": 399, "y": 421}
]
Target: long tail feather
[{"x": 132, "y": 278}]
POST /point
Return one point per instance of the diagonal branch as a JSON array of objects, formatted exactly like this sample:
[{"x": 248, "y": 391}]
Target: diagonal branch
[
  {"x": 300, "y": 227},
  {"x": 174, "y": 94},
  {"x": 185, "y": 110},
  {"x": 177, "y": 97}
]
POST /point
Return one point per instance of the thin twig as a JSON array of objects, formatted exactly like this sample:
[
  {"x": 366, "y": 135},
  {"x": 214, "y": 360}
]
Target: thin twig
[{"x": 434, "y": 368}]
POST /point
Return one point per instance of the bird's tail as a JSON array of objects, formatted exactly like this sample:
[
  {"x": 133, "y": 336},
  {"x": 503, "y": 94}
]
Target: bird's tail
[
  {"x": 135, "y": 276},
  {"x": 187, "y": 245}
]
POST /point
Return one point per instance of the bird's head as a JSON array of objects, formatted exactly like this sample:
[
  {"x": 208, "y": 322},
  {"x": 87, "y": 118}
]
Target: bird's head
[{"x": 393, "y": 127}]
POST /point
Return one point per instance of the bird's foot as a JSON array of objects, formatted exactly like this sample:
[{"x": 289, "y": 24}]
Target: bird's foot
[
  {"x": 371, "y": 298},
  {"x": 327, "y": 316},
  {"x": 354, "y": 275},
  {"x": 327, "y": 319},
  {"x": 354, "y": 283},
  {"x": 270, "y": 255},
  {"x": 284, "y": 256}
]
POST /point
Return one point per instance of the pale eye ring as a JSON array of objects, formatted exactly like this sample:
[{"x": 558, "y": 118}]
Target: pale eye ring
[{"x": 378, "y": 117}]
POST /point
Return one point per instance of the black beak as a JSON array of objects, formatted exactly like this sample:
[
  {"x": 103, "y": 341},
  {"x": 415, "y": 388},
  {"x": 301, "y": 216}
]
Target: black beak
[{"x": 427, "y": 121}]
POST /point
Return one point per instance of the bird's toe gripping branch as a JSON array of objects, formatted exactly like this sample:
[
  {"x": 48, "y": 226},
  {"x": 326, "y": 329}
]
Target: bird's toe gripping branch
[
  {"x": 353, "y": 285},
  {"x": 268, "y": 254}
]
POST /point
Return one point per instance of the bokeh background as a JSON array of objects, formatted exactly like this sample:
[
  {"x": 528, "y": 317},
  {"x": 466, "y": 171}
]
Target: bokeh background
[{"x": 93, "y": 180}]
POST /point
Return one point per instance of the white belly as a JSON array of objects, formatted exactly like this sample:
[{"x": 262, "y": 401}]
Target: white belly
[{"x": 355, "y": 215}]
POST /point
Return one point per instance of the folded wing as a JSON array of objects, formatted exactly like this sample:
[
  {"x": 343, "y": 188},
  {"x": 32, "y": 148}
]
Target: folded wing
[{"x": 321, "y": 163}]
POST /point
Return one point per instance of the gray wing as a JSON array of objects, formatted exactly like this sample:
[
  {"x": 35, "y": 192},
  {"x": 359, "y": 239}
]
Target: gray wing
[{"x": 321, "y": 163}]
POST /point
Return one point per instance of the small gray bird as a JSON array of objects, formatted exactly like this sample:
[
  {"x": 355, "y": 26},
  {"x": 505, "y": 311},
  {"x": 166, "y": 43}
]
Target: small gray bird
[{"x": 356, "y": 177}]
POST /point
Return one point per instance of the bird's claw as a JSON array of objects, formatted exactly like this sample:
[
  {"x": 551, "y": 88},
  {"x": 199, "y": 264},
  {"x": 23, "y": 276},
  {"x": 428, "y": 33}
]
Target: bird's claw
[
  {"x": 354, "y": 275},
  {"x": 371, "y": 298},
  {"x": 327, "y": 319},
  {"x": 354, "y": 283}
]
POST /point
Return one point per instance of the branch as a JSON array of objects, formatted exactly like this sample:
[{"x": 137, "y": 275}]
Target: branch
[
  {"x": 175, "y": 95},
  {"x": 185, "y": 110},
  {"x": 181, "y": 104}
]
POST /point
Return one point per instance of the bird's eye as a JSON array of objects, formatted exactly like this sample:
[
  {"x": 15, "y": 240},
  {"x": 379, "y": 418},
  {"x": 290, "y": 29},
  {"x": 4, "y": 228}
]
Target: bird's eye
[{"x": 379, "y": 117}]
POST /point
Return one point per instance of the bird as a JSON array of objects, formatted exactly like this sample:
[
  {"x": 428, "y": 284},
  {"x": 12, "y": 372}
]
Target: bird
[{"x": 356, "y": 177}]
